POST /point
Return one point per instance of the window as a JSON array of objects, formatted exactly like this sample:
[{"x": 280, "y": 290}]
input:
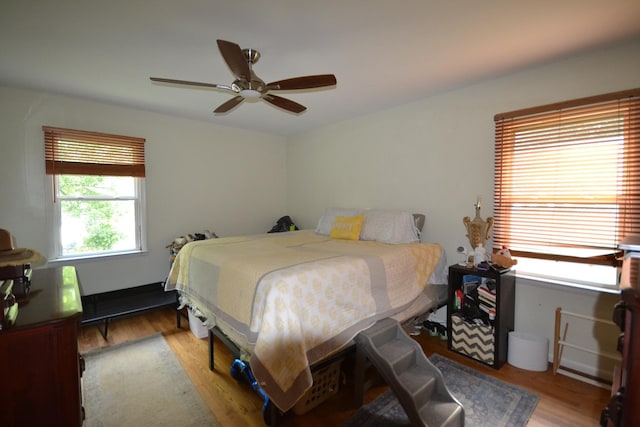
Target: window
[
  {"x": 98, "y": 191},
  {"x": 567, "y": 185}
]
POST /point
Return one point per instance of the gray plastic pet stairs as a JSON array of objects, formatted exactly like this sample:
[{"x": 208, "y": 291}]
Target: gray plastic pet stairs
[{"x": 416, "y": 382}]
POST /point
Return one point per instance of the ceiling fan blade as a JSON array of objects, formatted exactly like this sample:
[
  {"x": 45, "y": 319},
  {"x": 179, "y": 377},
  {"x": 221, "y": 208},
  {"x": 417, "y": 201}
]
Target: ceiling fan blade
[
  {"x": 284, "y": 103},
  {"x": 188, "y": 83},
  {"x": 235, "y": 59},
  {"x": 305, "y": 82},
  {"x": 229, "y": 104}
]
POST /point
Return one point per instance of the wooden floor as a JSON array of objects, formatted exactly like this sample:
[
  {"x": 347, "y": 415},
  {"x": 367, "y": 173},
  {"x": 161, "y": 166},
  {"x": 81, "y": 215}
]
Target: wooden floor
[{"x": 563, "y": 401}]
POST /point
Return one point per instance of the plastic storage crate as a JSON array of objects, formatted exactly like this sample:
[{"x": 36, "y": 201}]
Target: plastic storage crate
[{"x": 325, "y": 384}]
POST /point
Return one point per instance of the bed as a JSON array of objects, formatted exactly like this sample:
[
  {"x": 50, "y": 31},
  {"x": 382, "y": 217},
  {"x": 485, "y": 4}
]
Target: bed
[{"x": 290, "y": 300}]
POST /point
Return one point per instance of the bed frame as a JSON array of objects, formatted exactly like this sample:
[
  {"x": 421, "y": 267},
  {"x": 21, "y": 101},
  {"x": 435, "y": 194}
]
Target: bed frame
[{"x": 271, "y": 413}]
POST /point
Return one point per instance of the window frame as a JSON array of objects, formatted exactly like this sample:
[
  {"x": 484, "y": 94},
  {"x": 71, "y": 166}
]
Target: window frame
[
  {"x": 139, "y": 201},
  {"x": 506, "y": 198},
  {"x": 79, "y": 157}
]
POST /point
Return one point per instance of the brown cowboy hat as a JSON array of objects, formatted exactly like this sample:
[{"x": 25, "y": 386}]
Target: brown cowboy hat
[{"x": 10, "y": 255}]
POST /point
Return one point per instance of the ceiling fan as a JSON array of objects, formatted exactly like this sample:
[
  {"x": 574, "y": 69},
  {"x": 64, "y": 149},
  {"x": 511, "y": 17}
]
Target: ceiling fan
[{"x": 248, "y": 85}]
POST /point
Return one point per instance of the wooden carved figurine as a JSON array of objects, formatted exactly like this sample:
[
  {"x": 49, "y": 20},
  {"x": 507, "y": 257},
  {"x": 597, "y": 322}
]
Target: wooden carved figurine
[{"x": 478, "y": 230}]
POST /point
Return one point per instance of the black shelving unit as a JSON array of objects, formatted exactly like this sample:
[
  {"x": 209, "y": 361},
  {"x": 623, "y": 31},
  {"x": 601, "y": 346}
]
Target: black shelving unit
[{"x": 469, "y": 331}]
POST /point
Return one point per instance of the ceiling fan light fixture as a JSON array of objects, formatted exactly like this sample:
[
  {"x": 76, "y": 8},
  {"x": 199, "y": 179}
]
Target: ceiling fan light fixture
[{"x": 250, "y": 93}]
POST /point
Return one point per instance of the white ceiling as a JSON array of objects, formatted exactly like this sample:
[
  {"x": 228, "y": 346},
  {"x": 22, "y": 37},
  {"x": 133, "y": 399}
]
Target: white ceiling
[{"x": 383, "y": 52}]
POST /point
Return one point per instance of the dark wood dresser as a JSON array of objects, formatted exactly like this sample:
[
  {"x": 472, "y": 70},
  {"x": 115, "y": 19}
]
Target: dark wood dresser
[
  {"x": 41, "y": 383},
  {"x": 624, "y": 408}
]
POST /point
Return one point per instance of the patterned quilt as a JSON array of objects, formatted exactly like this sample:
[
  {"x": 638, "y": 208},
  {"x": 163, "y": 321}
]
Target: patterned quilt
[{"x": 299, "y": 297}]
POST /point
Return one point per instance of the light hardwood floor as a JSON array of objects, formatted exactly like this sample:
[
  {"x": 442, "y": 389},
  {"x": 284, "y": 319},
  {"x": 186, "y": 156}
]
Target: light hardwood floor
[{"x": 563, "y": 401}]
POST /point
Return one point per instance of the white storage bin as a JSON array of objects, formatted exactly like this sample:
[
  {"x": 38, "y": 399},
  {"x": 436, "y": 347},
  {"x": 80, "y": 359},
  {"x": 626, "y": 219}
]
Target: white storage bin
[
  {"x": 528, "y": 351},
  {"x": 197, "y": 327}
]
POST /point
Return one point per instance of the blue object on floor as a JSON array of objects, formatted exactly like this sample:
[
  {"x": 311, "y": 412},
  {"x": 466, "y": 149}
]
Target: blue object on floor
[{"x": 241, "y": 371}]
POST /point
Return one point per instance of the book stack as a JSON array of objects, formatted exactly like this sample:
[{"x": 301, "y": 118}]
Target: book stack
[{"x": 487, "y": 300}]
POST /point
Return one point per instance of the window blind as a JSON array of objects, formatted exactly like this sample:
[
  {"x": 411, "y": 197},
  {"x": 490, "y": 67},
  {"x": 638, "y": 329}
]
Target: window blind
[
  {"x": 567, "y": 178},
  {"x": 77, "y": 152}
]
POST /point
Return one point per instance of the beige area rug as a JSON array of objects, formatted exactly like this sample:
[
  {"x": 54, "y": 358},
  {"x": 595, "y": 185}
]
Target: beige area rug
[{"x": 140, "y": 383}]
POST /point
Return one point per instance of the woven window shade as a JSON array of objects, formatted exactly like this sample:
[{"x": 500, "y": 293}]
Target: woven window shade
[
  {"x": 567, "y": 178},
  {"x": 77, "y": 152}
]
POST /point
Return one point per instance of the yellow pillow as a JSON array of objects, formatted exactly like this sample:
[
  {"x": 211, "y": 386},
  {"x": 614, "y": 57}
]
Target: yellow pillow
[{"x": 347, "y": 227}]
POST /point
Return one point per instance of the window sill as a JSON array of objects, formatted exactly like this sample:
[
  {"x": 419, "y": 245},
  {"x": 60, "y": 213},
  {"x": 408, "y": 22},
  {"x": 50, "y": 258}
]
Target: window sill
[
  {"x": 552, "y": 282},
  {"x": 74, "y": 260}
]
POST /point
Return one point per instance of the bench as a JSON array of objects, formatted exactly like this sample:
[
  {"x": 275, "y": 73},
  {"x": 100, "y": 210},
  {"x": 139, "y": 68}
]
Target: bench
[{"x": 100, "y": 308}]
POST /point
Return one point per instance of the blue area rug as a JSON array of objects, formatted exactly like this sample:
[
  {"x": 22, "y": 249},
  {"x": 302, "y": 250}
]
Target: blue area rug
[{"x": 487, "y": 402}]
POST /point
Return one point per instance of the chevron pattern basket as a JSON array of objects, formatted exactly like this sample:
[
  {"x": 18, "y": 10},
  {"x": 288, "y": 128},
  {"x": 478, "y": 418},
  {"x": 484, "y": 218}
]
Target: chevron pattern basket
[{"x": 476, "y": 341}]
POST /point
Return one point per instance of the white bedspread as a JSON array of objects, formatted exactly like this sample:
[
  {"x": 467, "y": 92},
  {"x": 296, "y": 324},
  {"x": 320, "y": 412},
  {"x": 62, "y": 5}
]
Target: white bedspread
[{"x": 299, "y": 297}]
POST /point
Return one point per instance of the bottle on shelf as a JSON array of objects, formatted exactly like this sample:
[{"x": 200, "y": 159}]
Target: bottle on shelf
[{"x": 479, "y": 254}]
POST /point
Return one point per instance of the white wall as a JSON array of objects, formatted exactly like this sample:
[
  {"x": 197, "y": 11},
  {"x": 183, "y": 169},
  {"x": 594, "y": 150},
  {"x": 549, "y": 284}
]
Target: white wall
[
  {"x": 436, "y": 155},
  {"x": 199, "y": 176}
]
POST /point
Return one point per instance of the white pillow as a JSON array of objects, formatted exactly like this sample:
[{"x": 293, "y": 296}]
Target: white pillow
[
  {"x": 389, "y": 227},
  {"x": 326, "y": 221}
]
